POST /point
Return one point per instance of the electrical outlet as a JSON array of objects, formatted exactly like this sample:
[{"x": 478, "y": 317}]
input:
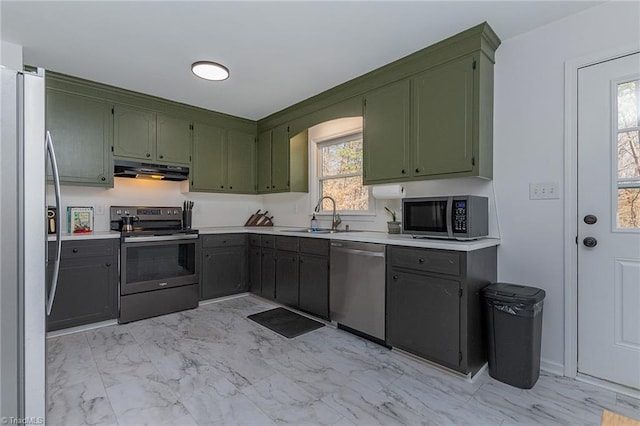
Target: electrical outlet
[
  {"x": 544, "y": 191},
  {"x": 99, "y": 209}
]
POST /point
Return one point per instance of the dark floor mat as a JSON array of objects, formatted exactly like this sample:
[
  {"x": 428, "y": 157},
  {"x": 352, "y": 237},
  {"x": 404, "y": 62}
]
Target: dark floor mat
[{"x": 284, "y": 322}]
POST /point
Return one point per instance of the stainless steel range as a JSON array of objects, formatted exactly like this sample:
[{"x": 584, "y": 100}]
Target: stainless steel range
[{"x": 158, "y": 261}]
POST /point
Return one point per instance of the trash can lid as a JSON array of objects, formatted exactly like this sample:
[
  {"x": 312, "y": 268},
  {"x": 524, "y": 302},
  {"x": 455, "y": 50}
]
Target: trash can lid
[{"x": 513, "y": 293}]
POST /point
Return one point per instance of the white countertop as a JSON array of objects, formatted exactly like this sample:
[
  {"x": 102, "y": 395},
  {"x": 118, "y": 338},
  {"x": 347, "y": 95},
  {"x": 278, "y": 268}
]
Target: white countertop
[
  {"x": 366, "y": 236},
  {"x": 100, "y": 235}
]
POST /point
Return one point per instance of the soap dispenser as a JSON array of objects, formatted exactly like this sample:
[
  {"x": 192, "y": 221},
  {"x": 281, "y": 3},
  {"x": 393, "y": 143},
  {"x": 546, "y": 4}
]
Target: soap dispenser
[{"x": 314, "y": 223}]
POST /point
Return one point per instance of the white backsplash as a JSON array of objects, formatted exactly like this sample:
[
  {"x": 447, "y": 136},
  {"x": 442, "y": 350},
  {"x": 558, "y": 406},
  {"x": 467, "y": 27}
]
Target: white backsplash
[
  {"x": 209, "y": 209},
  {"x": 290, "y": 209}
]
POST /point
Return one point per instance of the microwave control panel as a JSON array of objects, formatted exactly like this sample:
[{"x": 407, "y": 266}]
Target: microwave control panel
[{"x": 460, "y": 216}]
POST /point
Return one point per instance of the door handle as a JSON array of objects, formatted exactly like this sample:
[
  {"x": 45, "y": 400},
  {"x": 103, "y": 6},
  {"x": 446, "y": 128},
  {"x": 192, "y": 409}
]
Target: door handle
[{"x": 590, "y": 242}]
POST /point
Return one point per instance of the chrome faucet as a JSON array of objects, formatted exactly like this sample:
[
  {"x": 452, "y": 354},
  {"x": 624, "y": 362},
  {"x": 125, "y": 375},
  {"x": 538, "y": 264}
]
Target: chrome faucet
[{"x": 335, "y": 218}]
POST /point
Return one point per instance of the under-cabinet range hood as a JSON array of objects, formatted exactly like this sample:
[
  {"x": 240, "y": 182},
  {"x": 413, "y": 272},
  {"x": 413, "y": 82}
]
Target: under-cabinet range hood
[{"x": 133, "y": 169}]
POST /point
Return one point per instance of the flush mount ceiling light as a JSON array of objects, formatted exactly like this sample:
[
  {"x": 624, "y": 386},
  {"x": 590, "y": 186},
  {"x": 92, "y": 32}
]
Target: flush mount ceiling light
[{"x": 210, "y": 70}]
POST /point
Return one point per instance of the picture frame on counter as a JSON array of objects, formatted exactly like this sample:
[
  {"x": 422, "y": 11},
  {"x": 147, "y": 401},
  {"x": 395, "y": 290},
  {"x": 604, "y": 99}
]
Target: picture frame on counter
[{"x": 79, "y": 220}]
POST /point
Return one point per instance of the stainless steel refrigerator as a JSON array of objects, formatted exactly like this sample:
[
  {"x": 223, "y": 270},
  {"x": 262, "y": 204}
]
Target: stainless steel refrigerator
[{"x": 24, "y": 292}]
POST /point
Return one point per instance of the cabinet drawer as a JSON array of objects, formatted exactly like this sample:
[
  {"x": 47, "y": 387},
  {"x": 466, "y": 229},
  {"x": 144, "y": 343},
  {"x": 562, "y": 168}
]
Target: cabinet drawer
[
  {"x": 80, "y": 249},
  {"x": 254, "y": 240},
  {"x": 268, "y": 241},
  {"x": 314, "y": 246},
  {"x": 224, "y": 240},
  {"x": 287, "y": 243},
  {"x": 442, "y": 262}
]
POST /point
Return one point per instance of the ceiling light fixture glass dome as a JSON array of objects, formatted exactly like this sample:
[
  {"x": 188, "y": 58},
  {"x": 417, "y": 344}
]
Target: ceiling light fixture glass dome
[{"x": 210, "y": 70}]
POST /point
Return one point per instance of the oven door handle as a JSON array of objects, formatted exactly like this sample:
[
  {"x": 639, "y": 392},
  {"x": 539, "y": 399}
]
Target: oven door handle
[{"x": 131, "y": 239}]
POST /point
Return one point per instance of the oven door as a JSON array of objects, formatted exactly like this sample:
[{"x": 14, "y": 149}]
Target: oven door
[{"x": 158, "y": 262}]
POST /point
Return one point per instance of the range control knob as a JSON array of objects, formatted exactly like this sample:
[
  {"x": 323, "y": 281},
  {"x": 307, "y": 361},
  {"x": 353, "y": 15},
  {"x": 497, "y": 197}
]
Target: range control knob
[{"x": 175, "y": 212}]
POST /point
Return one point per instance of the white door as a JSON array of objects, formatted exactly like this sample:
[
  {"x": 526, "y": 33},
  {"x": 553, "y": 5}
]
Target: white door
[{"x": 609, "y": 221}]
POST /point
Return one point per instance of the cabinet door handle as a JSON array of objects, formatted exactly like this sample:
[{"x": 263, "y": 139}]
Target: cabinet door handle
[
  {"x": 421, "y": 260},
  {"x": 417, "y": 170},
  {"x": 102, "y": 178},
  {"x": 395, "y": 278},
  {"x": 75, "y": 250},
  {"x": 108, "y": 264},
  {"x": 161, "y": 156},
  {"x": 148, "y": 155},
  {"x": 231, "y": 187},
  {"x": 403, "y": 171},
  {"x": 221, "y": 186}
]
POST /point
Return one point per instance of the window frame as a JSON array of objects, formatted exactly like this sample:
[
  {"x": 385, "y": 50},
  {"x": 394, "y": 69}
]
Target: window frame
[{"x": 315, "y": 159}]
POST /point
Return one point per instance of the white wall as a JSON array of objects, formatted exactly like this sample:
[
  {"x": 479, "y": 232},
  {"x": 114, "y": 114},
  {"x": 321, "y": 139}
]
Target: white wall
[
  {"x": 10, "y": 55},
  {"x": 209, "y": 209},
  {"x": 529, "y": 145}
]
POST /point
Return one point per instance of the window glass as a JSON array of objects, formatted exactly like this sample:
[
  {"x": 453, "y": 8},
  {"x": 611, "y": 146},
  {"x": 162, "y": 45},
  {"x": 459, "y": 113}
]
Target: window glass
[
  {"x": 340, "y": 174},
  {"x": 628, "y": 154}
]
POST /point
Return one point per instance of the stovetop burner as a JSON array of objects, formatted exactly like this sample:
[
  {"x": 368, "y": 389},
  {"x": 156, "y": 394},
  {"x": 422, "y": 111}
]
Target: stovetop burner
[{"x": 149, "y": 221}]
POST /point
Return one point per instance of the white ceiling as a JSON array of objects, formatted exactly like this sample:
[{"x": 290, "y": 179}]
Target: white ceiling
[{"x": 279, "y": 53}]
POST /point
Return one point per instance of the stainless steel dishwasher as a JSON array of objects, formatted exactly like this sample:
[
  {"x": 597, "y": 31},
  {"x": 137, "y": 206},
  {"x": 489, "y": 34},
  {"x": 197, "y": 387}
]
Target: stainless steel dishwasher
[{"x": 357, "y": 287}]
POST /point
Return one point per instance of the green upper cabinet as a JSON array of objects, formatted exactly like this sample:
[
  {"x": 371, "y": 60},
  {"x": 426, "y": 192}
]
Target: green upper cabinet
[
  {"x": 264, "y": 162},
  {"x": 134, "y": 133},
  {"x": 282, "y": 161},
  {"x": 428, "y": 115},
  {"x": 386, "y": 133},
  {"x": 443, "y": 117},
  {"x": 223, "y": 160},
  {"x": 209, "y": 172},
  {"x": 241, "y": 162},
  {"x": 81, "y": 128},
  {"x": 173, "y": 139},
  {"x": 144, "y": 135}
]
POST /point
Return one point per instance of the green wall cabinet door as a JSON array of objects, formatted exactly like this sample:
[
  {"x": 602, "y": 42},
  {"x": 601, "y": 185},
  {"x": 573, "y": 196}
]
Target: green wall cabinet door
[
  {"x": 81, "y": 128},
  {"x": 443, "y": 117},
  {"x": 283, "y": 161},
  {"x": 241, "y": 162},
  {"x": 173, "y": 143},
  {"x": 208, "y": 171},
  {"x": 280, "y": 159},
  {"x": 386, "y": 133},
  {"x": 147, "y": 136},
  {"x": 264, "y": 162},
  {"x": 134, "y": 133}
]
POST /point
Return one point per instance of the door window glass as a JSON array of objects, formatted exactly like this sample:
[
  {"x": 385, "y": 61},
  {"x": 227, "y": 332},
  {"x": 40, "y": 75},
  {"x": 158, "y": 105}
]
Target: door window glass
[{"x": 628, "y": 154}]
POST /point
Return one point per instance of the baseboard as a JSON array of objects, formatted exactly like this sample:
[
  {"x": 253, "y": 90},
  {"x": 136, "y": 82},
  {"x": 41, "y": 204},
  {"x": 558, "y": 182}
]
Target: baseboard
[
  {"x": 222, "y": 299},
  {"x": 81, "y": 328},
  {"x": 552, "y": 367}
]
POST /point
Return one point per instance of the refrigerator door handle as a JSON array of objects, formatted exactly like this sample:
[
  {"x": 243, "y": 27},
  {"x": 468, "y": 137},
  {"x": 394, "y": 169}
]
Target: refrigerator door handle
[{"x": 56, "y": 185}]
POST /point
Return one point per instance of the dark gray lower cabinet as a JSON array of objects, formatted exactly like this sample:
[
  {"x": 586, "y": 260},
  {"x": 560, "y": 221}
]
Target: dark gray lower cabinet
[
  {"x": 434, "y": 304},
  {"x": 262, "y": 265},
  {"x": 314, "y": 284},
  {"x": 87, "y": 289},
  {"x": 287, "y": 277},
  {"x": 293, "y": 271},
  {"x": 224, "y": 265},
  {"x": 268, "y": 273}
]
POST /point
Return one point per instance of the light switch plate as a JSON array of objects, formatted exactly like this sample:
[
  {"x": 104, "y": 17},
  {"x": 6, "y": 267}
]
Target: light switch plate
[{"x": 544, "y": 191}]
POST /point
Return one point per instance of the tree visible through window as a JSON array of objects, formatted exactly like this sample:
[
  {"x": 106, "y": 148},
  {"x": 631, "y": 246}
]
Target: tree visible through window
[
  {"x": 340, "y": 174},
  {"x": 628, "y": 149}
]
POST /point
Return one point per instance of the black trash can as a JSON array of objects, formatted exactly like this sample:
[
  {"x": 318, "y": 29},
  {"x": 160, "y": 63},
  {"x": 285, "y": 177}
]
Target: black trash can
[{"x": 514, "y": 332}]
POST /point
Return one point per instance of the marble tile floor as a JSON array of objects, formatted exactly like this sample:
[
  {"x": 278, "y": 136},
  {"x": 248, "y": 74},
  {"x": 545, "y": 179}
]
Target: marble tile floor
[{"x": 213, "y": 366}]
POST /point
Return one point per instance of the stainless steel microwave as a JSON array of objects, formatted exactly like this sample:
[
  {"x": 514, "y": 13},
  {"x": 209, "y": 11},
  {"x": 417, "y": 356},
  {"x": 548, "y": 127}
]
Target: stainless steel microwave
[{"x": 459, "y": 217}]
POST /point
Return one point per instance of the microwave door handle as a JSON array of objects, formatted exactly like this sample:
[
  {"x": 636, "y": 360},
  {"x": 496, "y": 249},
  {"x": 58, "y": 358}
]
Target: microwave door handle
[
  {"x": 449, "y": 217},
  {"x": 56, "y": 185}
]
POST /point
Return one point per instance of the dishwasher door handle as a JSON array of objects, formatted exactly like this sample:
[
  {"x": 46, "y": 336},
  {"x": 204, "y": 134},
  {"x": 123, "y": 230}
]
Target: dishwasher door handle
[{"x": 360, "y": 252}]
